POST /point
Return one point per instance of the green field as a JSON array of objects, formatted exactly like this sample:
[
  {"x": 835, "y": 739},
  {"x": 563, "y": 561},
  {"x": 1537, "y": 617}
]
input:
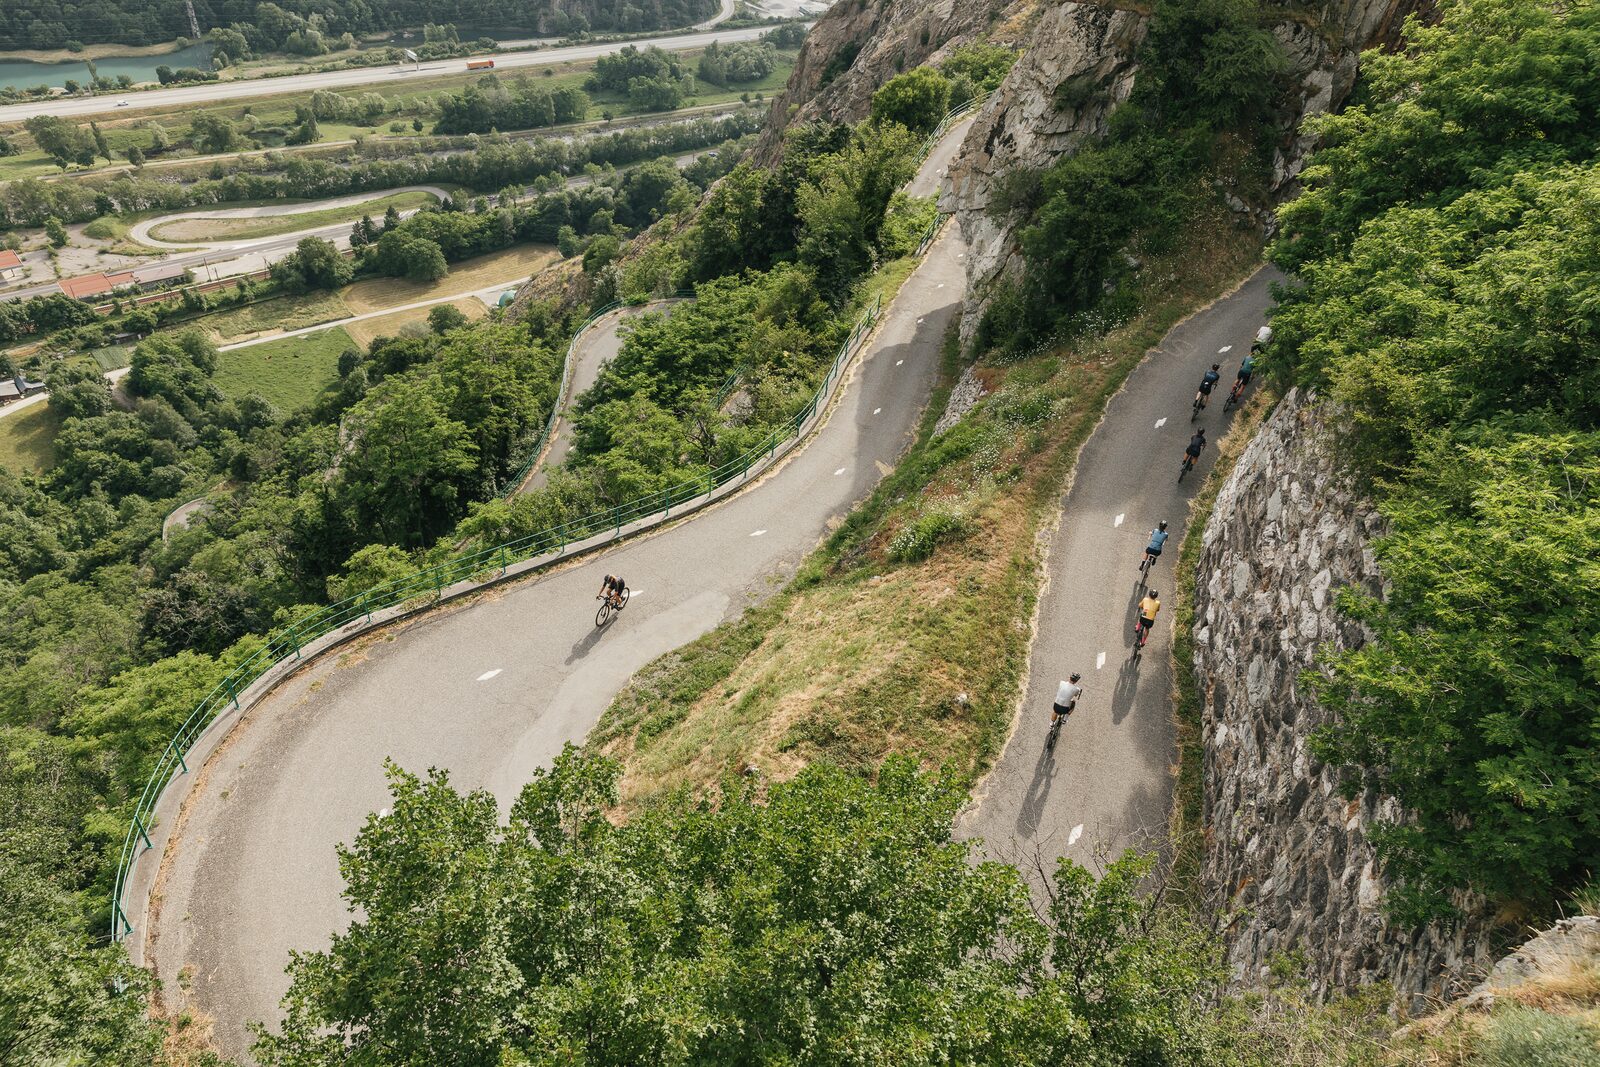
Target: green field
[
  {"x": 290, "y": 372},
  {"x": 242, "y": 229},
  {"x": 28, "y": 439}
]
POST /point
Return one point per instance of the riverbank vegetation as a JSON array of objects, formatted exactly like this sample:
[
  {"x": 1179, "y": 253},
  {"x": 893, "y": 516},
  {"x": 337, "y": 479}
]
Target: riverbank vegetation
[{"x": 1446, "y": 246}]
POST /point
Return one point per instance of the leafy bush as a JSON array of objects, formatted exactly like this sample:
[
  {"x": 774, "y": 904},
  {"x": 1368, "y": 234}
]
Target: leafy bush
[
  {"x": 1526, "y": 1037},
  {"x": 917, "y": 539}
]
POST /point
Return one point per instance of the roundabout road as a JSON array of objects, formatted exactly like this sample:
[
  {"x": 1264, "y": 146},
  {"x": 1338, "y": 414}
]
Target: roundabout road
[{"x": 491, "y": 690}]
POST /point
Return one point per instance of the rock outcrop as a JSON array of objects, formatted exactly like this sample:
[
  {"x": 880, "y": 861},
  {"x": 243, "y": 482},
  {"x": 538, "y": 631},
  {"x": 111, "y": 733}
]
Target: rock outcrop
[
  {"x": 1287, "y": 858},
  {"x": 1081, "y": 61},
  {"x": 857, "y": 45}
]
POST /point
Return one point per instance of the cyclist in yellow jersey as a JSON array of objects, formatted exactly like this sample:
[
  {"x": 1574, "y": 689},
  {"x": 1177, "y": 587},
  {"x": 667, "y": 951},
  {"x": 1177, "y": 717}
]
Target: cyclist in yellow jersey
[{"x": 1148, "y": 607}]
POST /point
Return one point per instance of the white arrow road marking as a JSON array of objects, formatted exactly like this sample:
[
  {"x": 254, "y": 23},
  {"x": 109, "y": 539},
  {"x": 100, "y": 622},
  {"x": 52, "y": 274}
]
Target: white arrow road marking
[
  {"x": 1160, "y": 423},
  {"x": 1077, "y": 832},
  {"x": 635, "y": 594},
  {"x": 1224, "y": 348},
  {"x": 486, "y": 675},
  {"x": 758, "y": 533},
  {"x": 876, "y": 410},
  {"x": 838, "y": 472},
  {"x": 898, "y": 362},
  {"x": 1100, "y": 661},
  {"x": 1118, "y": 520}
]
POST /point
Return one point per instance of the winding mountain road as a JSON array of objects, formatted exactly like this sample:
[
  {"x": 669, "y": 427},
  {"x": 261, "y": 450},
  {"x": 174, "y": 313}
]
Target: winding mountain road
[
  {"x": 1108, "y": 784},
  {"x": 492, "y": 693}
]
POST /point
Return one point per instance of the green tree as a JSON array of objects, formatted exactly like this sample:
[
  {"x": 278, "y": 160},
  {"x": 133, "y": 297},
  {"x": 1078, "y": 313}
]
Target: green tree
[
  {"x": 838, "y": 922},
  {"x": 916, "y": 99},
  {"x": 56, "y": 232},
  {"x": 213, "y": 133},
  {"x": 100, "y": 145},
  {"x": 405, "y": 255},
  {"x": 63, "y": 142},
  {"x": 443, "y": 318}
]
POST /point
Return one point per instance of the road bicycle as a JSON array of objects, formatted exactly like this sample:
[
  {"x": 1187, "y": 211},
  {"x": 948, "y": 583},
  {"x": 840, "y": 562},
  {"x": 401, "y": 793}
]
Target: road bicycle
[
  {"x": 1141, "y": 634},
  {"x": 1055, "y": 730},
  {"x": 610, "y": 606},
  {"x": 1188, "y": 465},
  {"x": 1199, "y": 406},
  {"x": 1234, "y": 394},
  {"x": 1145, "y": 568}
]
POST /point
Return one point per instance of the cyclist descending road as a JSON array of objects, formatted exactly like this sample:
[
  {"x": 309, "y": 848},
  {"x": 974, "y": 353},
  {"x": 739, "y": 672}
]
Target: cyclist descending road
[
  {"x": 1152, "y": 551},
  {"x": 614, "y": 589}
]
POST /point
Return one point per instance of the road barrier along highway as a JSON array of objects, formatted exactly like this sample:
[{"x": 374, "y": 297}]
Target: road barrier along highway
[{"x": 327, "y": 627}]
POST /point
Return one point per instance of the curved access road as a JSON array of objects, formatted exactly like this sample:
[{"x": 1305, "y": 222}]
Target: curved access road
[
  {"x": 491, "y": 690},
  {"x": 1108, "y": 785},
  {"x": 140, "y": 231},
  {"x": 598, "y": 346},
  {"x": 399, "y": 75}
]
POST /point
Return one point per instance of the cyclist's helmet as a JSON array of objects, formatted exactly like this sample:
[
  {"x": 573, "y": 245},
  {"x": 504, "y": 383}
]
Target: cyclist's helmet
[
  {"x": 1163, "y": 524},
  {"x": 1216, "y": 366},
  {"x": 1074, "y": 678},
  {"x": 1154, "y": 595}
]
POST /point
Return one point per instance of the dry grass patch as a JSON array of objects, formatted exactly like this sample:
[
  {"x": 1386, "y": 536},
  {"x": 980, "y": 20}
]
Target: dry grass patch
[
  {"x": 909, "y": 629},
  {"x": 363, "y": 332},
  {"x": 282, "y": 313},
  {"x": 212, "y": 229},
  {"x": 467, "y": 276}
]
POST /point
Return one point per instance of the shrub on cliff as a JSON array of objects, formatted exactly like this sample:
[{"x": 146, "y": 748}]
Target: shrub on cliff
[{"x": 1447, "y": 244}]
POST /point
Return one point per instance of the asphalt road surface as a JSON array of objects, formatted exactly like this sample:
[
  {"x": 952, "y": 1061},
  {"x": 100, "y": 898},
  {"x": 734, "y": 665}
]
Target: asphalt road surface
[
  {"x": 1108, "y": 784},
  {"x": 493, "y": 689},
  {"x": 395, "y": 76}
]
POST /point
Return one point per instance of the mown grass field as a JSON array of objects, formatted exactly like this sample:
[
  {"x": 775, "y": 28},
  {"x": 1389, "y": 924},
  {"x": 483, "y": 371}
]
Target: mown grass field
[
  {"x": 364, "y": 332},
  {"x": 868, "y": 652},
  {"x": 280, "y": 313},
  {"x": 243, "y": 229},
  {"x": 290, "y": 372},
  {"x": 28, "y": 439}
]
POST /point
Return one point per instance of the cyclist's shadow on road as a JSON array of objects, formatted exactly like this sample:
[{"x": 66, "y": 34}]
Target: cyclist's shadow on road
[
  {"x": 590, "y": 639},
  {"x": 1032, "y": 812},
  {"x": 1122, "y": 697}
]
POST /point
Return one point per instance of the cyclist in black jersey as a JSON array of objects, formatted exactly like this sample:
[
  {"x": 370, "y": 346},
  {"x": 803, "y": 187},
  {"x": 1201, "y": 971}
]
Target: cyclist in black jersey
[
  {"x": 613, "y": 587},
  {"x": 1212, "y": 377}
]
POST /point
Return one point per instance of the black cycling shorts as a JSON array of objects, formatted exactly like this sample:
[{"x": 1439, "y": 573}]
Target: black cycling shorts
[
  {"x": 1244, "y": 376},
  {"x": 1153, "y": 550},
  {"x": 1064, "y": 710}
]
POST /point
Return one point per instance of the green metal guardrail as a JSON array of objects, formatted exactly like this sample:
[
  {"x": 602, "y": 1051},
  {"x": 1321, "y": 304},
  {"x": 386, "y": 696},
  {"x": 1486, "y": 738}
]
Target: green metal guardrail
[{"x": 429, "y": 585}]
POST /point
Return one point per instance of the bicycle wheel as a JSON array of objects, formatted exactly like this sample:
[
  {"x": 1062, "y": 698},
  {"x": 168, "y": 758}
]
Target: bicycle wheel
[
  {"x": 603, "y": 616},
  {"x": 1050, "y": 738},
  {"x": 626, "y": 593},
  {"x": 1195, "y": 414}
]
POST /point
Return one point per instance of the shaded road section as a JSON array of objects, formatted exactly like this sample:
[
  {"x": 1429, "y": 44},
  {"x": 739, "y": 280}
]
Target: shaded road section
[{"x": 1108, "y": 784}]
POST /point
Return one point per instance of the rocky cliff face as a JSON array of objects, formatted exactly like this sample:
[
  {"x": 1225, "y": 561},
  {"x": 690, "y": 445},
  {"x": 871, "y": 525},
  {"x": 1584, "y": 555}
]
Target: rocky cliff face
[
  {"x": 1079, "y": 63},
  {"x": 1287, "y": 857},
  {"x": 857, "y": 45}
]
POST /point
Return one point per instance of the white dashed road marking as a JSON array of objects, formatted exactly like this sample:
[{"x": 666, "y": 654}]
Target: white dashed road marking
[
  {"x": 898, "y": 362},
  {"x": 1224, "y": 348},
  {"x": 758, "y": 533},
  {"x": 838, "y": 472},
  {"x": 1077, "y": 832},
  {"x": 1100, "y": 661},
  {"x": 876, "y": 410},
  {"x": 1160, "y": 423},
  {"x": 486, "y": 675},
  {"x": 1118, "y": 520}
]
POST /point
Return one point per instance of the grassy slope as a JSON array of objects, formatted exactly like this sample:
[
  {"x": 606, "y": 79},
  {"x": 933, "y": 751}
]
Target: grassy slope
[
  {"x": 27, "y": 439},
  {"x": 861, "y": 656},
  {"x": 242, "y": 229},
  {"x": 290, "y": 372}
]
